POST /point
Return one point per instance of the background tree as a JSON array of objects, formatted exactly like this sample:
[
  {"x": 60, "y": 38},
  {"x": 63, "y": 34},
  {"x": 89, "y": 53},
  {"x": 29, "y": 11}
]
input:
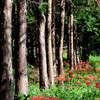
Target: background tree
[
  {"x": 21, "y": 70},
  {"x": 6, "y": 77},
  {"x": 61, "y": 37},
  {"x": 49, "y": 43},
  {"x": 53, "y": 38},
  {"x": 44, "y": 83}
]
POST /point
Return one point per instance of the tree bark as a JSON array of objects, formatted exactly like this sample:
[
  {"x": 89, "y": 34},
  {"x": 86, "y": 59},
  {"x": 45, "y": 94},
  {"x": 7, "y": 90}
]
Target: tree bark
[
  {"x": 69, "y": 25},
  {"x": 61, "y": 37},
  {"x": 53, "y": 39},
  {"x": 44, "y": 83},
  {"x": 6, "y": 76},
  {"x": 49, "y": 43},
  {"x": 71, "y": 40},
  {"x": 21, "y": 79}
]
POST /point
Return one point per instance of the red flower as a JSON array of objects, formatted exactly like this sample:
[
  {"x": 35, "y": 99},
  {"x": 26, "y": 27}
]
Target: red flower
[
  {"x": 61, "y": 78},
  {"x": 80, "y": 76},
  {"x": 88, "y": 62},
  {"x": 97, "y": 84},
  {"x": 89, "y": 77},
  {"x": 97, "y": 68},
  {"x": 91, "y": 68},
  {"x": 78, "y": 82},
  {"x": 69, "y": 78},
  {"x": 44, "y": 98},
  {"x": 38, "y": 97},
  {"x": 62, "y": 75},
  {"x": 73, "y": 75},
  {"x": 88, "y": 82},
  {"x": 52, "y": 98},
  {"x": 95, "y": 76}
]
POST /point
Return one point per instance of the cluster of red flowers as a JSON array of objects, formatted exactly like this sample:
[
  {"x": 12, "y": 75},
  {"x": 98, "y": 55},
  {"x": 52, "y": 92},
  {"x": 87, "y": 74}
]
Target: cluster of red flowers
[
  {"x": 61, "y": 78},
  {"x": 97, "y": 68},
  {"x": 44, "y": 98},
  {"x": 83, "y": 66},
  {"x": 91, "y": 77},
  {"x": 97, "y": 84},
  {"x": 88, "y": 82}
]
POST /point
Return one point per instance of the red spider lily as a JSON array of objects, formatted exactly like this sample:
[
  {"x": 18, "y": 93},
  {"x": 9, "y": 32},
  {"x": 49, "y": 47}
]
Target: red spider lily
[
  {"x": 95, "y": 77},
  {"x": 62, "y": 75},
  {"x": 80, "y": 76},
  {"x": 97, "y": 68},
  {"x": 52, "y": 98},
  {"x": 69, "y": 78},
  {"x": 38, "y": 97},
  {"x": 65, "y": 61},
  {"x": 73, "y": 75},
  {"x": 97, "y": 84},
  {"x": 78, "y": 82},
  {"x": 91, "y": 68},
  {"x": 61, "y": 79},
  {"x": 81, "y": 60},
  {"x": 98, "y": 62},
  {"x": 88, "y": 82},
  {"x": 89, "y": 77},
  {"x": 44, "y": 98},
  {"x": 88, "y": 62}
]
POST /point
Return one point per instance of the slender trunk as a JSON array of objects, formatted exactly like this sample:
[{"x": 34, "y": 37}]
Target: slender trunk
[
  {"x": 53, "y": 38},
  {"x": 76, "y": 44},
  {"x": 49, "y": 43},
  {"x": 22, "y": 79},
  {"x": 69, "y": 25},
  {"x": 71, "y": 40},
  {"x": 6, "y": 76},
  {"x": 44, "y": 84},
  {"x": 61, "y": 37}
]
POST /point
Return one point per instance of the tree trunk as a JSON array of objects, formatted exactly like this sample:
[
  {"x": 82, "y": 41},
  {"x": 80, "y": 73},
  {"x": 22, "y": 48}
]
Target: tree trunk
[
  {"x": 69, "y": 25},
  {"x": 49, "y": 43},
  {"x": 6, "y": 76},
  {"x": 61, "y": 37},
  {"x": 76, "y": 44},
  {"x": 22, "y": 79},
  {"x": 44, "y": 83},
  {"x": 53, "y": 38},
  {"x": 70, "y": 32},
  {"x": 71, "y": 40}
]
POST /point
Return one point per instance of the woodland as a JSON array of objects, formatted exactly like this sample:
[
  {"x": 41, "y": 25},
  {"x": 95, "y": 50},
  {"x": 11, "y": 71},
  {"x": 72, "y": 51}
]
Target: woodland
[{"x": 49, "y": 49}]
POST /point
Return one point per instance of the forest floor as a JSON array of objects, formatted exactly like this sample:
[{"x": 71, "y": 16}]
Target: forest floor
[{"x": 83, "y": 83}]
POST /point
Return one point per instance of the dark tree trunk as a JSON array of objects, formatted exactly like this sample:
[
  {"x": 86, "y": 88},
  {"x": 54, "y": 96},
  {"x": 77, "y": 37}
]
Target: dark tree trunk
[
  {"x": 69, "y": 27},
  {"x": 53, "y": 38},
  {"x": 61, "y": 37},
  {"x": 49, "y": 43},
  {"x": 70, "y": 32},
  {"x": 76, "y": 44},
  {"x": 6, "y": 76},
  {"x": 21, "y": 70}
]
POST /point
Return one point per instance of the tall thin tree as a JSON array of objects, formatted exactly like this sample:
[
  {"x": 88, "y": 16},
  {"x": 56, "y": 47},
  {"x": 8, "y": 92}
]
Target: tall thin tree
[
  {"x": 49, "y": 43},
  {"x": 21, "y": 70},
  {"x": 70, "y": 33},
  {"x": 44, "y": 83},
  {"x": 6, "y": 76},
  {"x": 61, "y": 37},
  {"x": 53, "y": 38}
]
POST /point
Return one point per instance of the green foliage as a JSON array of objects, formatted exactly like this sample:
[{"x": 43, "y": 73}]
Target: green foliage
[
  {"x": 30, "y": 16},
  {"x": 14, "y": 3},
  {"x": 43, "y": 6}
]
